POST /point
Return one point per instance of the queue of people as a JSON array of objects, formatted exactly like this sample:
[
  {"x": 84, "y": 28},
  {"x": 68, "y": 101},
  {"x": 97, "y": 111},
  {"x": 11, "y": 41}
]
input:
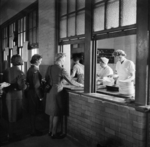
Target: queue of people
[{"x": 32, "y": 85}]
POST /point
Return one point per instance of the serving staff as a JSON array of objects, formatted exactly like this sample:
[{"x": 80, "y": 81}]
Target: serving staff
[
  {"x": 125, "y": 69},
  {"x": 105, "y": 70}
]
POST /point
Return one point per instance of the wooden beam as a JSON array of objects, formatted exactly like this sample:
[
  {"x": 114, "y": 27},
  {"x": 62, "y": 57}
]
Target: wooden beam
[
  {"x": 88, "y": 48},
  {"x": 142, "y": 53}
]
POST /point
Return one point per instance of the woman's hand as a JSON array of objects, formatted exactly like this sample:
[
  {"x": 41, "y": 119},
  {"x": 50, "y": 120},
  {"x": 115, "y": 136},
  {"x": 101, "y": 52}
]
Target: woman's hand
[{"x": 81, "y": 85}]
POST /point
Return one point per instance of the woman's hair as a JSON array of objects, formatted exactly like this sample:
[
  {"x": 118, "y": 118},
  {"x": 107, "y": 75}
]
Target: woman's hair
[
  {"x": 119, "y": 52},
  {"x": 76, "y": 57},
  {"x": 59, "y": 57},
  {"x": 16, "y": 60},
  {"x": 35, "y": 58}
]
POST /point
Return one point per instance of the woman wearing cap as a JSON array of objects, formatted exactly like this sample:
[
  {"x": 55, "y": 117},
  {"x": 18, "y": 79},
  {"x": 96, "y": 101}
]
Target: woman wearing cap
[
  {"x": 12, "y": 101},
  {"x": 54, "y": 99},
  {"x": 105, "y": 69},
  {"x": 78, "y": 69},
  {"x": 35, "y": 91},
  {"x": 125, "y": 68}
]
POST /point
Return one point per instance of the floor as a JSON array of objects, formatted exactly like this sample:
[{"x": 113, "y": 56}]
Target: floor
[
  {"x": 43, "y": 141},
  {"x": 22, "y": 129}
]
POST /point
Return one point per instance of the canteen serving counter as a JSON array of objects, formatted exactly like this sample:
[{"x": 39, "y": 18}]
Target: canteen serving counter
[{"x": 94, "y": 118}]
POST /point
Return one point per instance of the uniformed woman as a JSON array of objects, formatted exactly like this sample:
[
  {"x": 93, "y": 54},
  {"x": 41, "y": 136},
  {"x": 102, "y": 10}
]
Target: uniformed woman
[
  {"x": 12, "y": 100},
  {"x": 54, "y": 99},
  {"x": 34, "y": 92},
  {"x": 124, "y": 68}
]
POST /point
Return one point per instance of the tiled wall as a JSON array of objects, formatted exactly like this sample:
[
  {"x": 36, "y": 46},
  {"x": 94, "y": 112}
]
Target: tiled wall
[
  {"x": 94, "y": 121},
  {"x": 46, "y": 12},
  {"x": 46, "y": 33}
]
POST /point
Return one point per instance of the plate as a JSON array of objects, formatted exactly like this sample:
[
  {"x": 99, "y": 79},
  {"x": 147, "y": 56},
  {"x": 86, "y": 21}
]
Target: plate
[{"x": 4, "y": 84}]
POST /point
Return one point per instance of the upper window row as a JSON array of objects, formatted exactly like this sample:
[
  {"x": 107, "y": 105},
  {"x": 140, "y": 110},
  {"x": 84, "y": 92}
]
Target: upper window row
[
  {"x": 107, "y": 14},
  {"x": 113, "y": 13},
  {"x": 21, "y": 30}
]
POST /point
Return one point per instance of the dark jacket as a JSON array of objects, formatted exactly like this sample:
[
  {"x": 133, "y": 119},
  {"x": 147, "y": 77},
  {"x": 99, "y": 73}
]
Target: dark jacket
[
  {"x": 12, "y": 100},
  {"x": 35, "y": 91}
]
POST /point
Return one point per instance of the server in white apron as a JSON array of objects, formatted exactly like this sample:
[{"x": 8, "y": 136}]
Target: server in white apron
[{"x": 125, "y": 69}]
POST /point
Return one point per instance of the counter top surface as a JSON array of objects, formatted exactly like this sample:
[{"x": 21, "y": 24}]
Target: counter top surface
[{"x": 74, "y": 88}]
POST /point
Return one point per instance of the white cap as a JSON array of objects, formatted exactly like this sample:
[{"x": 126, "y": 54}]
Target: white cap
[{"x": 105, "y": 60}]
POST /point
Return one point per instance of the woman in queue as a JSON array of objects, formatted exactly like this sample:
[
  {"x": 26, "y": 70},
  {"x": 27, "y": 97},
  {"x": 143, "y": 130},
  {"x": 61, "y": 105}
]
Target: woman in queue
[
  {"x": 54, "y": 105},
  {"x": 13, "y": 94},
  {"x": 34, "y": 92}
]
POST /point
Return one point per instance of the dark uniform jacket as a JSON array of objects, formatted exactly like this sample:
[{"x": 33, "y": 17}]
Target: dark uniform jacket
[
  {"x": 34, "y": 92},
  {"x": 12, "y": 100}
]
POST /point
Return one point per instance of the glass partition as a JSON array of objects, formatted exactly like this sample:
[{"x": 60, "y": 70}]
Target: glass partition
[
  {"x": 128, "y": 12},
  {"x": 71, "y": 25},
  {"x": 72, "y": 18},
  {"x": 81, "y": 23},
  {"x": 63, "y": 27},
  {"x": 74, "y": 63},
  {"x": 105, "y": 74},
  {"x": 112, "y": 14},
  {"x": 99, "y": 17}
]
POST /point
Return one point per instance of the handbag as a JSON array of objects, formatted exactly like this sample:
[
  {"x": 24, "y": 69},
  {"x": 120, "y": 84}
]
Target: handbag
[
  {"x": 47, "y": 88},
  {"x": 48, "y": 79}
]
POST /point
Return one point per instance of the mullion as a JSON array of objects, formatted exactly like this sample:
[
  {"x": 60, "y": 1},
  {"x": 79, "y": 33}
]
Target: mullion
[
  {"x": 67, "y": 18},
  {"x": 105, "y": 15},
  {"x": 120, "y": 12},
  {"x": 75, "y": 17}
]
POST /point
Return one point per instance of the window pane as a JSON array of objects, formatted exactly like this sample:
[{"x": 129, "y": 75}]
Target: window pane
[
  {"x": 19, "y": 26},
  {"x": 10, "y": 30},
  {"x": 80, "y": 4},
  {"x": 71, "y": 25},
  {"x": 112, "y": 14},
  {"x": 99, "y": 18},
  {"x": 71, "y": 5},
  {"x": 10, "y": 42},
  {"x": 63, "y": 28},
  {"x": 19, "y": 39},
  {"x": 24, "y": 37},
  {"x": 34, "y": 19},
  {"x": 30, "y": 36},
  {"x": 14, "y": 26},
  {"x": 128, "y": 12},
  {"x": 106, "y": 47},
  {"x": 34, "y": 35},
  {"x": 81, "y": 23},
  {"x": 5, "y": 32},
  {"x": 63, "y": 7},
  {"x": 24, "y": 24},
  {"x": 30, "y": 21},
  {"x": 98, "y": 1}
]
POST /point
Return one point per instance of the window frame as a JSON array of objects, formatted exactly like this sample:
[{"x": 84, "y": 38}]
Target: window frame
[
  {"x": 138, "y": 29},
  {"x": 75, "y": 12},
  {"x": 15, "y": 19}
]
